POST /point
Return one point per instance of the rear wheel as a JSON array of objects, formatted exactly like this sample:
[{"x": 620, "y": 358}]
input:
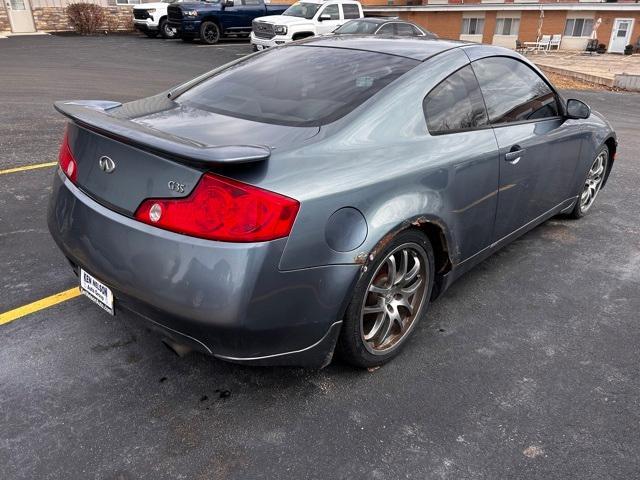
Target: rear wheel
[
  {"x": 388, "y": 302},
  {"x": 592, "y": 184},
  {"x": 166, "y": 31},
  {"x": 209, "y": 33}
]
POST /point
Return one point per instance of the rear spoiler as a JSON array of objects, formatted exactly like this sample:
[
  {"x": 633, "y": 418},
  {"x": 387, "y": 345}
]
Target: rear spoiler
[{"x": 93, "y": 116}]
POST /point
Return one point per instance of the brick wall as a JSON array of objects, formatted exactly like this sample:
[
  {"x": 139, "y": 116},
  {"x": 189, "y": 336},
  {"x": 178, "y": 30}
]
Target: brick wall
[
  {"x": 449, "y": 24},
  {"x": 604, "y": 31},
  {"x": 5, "y": 26},
  {"x": 55, "y": 19},
  {"x": 443, "y": 24},
  {"x": 489, "y": 27},
  {"x": 554, "y": 22},
  {"x": 377, "y": 3}
]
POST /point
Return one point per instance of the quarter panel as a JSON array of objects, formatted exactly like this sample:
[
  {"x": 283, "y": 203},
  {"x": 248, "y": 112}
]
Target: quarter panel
[{"x": 381, "y": 160}]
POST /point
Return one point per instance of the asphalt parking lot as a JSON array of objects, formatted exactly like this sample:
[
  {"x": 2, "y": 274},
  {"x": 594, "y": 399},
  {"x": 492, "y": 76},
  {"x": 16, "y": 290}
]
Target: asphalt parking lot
[{"x": 527, "y": 368}]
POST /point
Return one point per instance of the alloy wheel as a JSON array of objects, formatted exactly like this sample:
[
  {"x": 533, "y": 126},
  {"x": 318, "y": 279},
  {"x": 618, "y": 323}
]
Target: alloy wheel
[
  {"x": 394, "y": 298},
  {"x": 594, "y": 181},
  {"x": 211, "y": 34},
  {"x": 168, "y": 32}
]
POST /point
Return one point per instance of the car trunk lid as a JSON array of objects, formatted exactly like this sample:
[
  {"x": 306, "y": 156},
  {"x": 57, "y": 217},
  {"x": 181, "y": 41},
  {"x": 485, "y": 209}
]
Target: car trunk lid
[{"x": 123, "y": 159}]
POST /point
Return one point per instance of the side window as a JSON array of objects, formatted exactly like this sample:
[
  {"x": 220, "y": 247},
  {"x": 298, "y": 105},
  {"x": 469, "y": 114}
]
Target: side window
[
  {"x": 417, "y": 32},
  {"x": 332, "y": 10},
  {"x": 455, "y": 104},
  {"x": 513, "y": 92},
  {"x": 404, "y": 29},
  {"x": 251, "y": 2},
  {"x": 350, "y": 11},
  {"x": 387, "y": 29}
]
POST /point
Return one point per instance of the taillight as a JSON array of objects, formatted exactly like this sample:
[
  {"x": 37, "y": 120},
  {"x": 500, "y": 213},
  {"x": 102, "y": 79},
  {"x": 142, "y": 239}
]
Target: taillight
[
  {"x": 66, "y": 161},
  {"x": 223, "y": 209}
]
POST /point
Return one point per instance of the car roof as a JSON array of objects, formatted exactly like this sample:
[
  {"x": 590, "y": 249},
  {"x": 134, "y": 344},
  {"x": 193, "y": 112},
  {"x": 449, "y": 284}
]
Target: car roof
[
  {"x": 376, "y": 20},
  {"x": 416, "y": 48}
]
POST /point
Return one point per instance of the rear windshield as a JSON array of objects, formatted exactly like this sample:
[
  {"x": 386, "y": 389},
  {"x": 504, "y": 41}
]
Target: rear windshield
[{"x": 297, "y": 85}]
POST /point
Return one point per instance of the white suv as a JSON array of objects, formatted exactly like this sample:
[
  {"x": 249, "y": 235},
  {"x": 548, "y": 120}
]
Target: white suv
[
  {"x": 303, "y": 19},
  {"x": 151, "y": 18}
]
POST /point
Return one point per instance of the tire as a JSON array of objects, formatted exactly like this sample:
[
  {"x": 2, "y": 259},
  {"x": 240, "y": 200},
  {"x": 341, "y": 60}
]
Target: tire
[
  {"x": 166, "y": 31},
  {"x": 382, "y": 308},
  {"x": 592, "y": 184},
  {"x": 151, "y": 33},
  {"x": 209, "y": 33}
]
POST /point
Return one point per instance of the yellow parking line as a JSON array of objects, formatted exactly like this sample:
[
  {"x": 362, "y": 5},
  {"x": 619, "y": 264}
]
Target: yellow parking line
[
  {"x": 28, "y": 167},
  {"x": 47, "y": 302}
]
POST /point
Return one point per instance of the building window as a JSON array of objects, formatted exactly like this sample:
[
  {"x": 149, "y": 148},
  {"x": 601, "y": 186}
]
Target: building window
[
  {"x": 578, "y": 27},
  {"x": 472, "y": 26},
  {"x": 127, "y": 2},
  {"x": 507, "y": 26}
]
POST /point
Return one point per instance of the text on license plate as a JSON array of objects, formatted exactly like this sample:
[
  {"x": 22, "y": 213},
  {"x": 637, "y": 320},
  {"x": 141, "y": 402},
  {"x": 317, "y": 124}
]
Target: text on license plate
[{"x": 96, "y": 291}]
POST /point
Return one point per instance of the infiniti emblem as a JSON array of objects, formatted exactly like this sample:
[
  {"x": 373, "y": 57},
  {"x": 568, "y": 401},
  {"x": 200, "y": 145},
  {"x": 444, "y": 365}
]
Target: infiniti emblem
[{"x": 106, "y": 164}]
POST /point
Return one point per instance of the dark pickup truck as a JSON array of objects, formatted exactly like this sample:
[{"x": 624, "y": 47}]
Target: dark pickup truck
[{"x": 212, "y": 19}]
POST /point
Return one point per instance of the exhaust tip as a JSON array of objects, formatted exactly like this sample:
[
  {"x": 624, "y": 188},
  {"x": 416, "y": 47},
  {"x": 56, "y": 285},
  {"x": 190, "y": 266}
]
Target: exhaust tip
[{"x": 179, "y": 349}]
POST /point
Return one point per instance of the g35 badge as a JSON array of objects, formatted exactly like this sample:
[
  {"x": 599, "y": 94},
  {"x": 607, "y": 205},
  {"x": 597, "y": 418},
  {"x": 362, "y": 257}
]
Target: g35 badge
[{"x": 176, "y": 186}]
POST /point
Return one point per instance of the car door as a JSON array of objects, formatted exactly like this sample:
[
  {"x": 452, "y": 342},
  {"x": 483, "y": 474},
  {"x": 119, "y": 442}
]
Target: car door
[
  {"x": 232, "y": 16},
  {"x": 333, "y": 22},
  {"x": 458, "y": 124},
  {"x": 251, "y": 9},
  {"x": 538, "y": 157},
  {"x": 350, "y": 11}
]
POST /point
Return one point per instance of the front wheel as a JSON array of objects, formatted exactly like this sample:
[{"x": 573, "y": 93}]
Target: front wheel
[
  {"x": 166, "y": 31},
  {"x": 209, "y": 33},
  {"x": 388, "y": 302},
  {"x": 592, "y": 184}
]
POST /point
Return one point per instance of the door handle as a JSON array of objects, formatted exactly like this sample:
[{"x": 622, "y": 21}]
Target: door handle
[{"x": 514, "y": 155}]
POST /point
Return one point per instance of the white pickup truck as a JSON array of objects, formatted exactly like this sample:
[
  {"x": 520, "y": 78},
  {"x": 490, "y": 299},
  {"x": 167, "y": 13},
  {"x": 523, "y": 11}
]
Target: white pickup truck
[
  {"x": 303, "y": 19},
  {"x": 151, "y": 18}
]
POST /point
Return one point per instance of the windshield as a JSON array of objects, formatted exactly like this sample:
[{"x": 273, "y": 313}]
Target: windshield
[
  {"x": 357, "y": 26},
  {"x": 328, "y": 83},
  {"x": 301, "y": 9}
]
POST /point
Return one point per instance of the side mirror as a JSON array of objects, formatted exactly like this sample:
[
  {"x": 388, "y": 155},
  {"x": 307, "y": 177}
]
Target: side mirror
[
  {"x": 577, "y": 109},
  {"x": 323, "y": 17}
]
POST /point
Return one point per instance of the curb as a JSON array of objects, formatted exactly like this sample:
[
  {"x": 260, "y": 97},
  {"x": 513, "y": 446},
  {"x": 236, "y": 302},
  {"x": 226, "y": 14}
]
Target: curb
[{"x": 607, "y": 81}]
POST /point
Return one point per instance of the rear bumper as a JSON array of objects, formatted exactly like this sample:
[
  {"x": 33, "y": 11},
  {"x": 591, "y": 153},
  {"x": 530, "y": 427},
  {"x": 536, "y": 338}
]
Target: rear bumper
[{"x": 228, "y": 300}]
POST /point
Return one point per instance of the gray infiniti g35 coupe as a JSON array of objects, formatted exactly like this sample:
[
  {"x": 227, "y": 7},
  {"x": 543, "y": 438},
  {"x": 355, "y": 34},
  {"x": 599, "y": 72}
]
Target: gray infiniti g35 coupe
[{"x": 317, "y": 196}]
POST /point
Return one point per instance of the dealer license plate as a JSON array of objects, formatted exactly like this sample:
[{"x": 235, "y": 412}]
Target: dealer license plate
[{"x": 97, "y": 291}]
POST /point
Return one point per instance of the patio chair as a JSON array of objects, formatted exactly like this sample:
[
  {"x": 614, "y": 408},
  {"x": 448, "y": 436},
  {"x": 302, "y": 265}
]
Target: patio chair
[
  {"x": 637, "y": 50},
  {"x": 555, "y": 42},
  {"x": 520, "y": 47},
  {"x": 544, "y": 42},
  {"x": 592, "y": 46}
]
